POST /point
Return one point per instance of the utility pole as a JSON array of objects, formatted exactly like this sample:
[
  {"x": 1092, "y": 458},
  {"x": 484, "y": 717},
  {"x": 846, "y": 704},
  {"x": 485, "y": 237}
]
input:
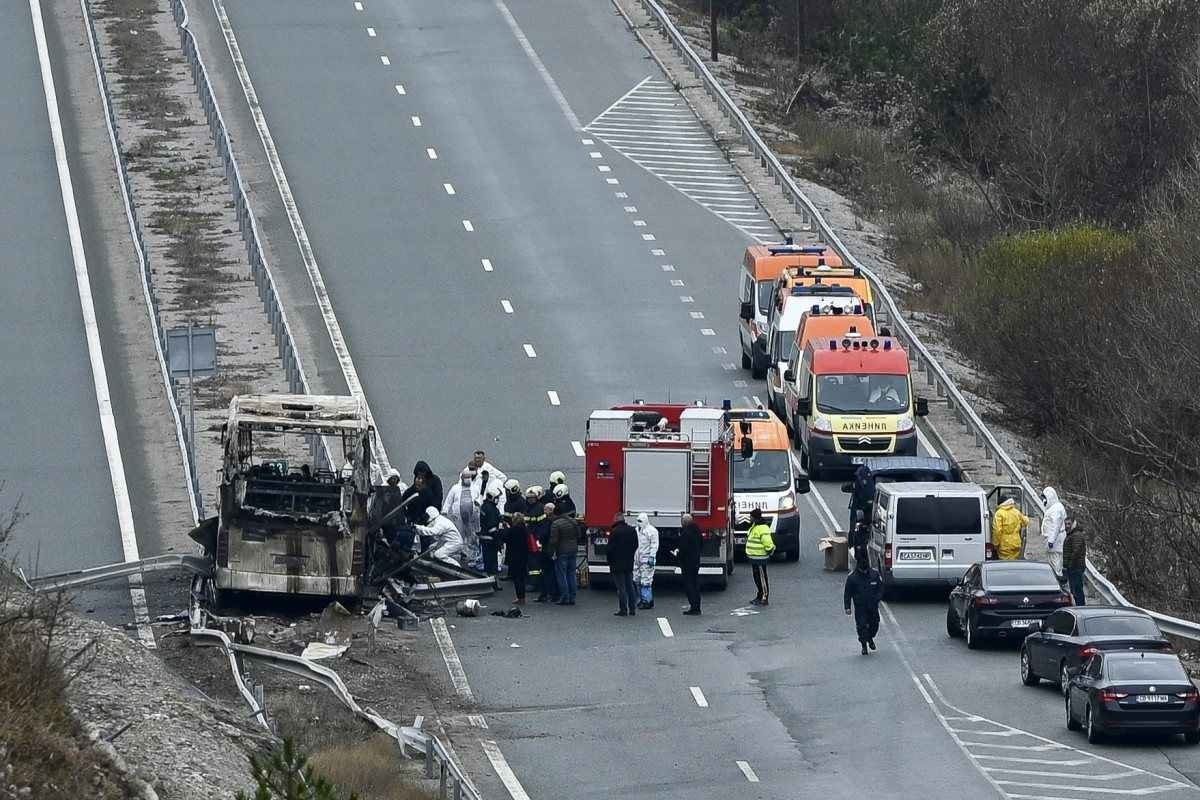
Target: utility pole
[
  {"x": 801, "y": 31},
  {"x": 712, "y": 28}
]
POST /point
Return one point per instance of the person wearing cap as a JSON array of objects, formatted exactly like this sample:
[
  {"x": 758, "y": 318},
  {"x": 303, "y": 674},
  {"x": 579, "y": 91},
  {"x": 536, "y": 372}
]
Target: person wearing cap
[
  {"x": 647, "y": 558},
  {"x": 489, "y": 530},
  {"x": 386, "y": 500},
  {"x": 562, "y": 500},
  {"x": 864, "y": 587},
  {"x": 1008, "y": 530},
  {"x": 759, "y": 547}
]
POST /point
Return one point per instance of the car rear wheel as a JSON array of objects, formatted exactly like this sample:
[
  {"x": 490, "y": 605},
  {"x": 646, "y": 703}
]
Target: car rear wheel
[
  {"x": 746, "y": 360},
  {"x": 1089, "y": 724},
  {"x": 1064, "y": 678},
  {"x": 793, "y": 555},
  {"x": 972, "y": 634},
  {"x": 1072, "y": 723},
  {"x": 1028, "y": 676},
  {"x": 953, "y": 627},
  {"x": 1192, "y": 737}
]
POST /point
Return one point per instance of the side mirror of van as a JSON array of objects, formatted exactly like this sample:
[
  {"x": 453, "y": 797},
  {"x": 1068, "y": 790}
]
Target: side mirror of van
[
  {"x": 802, "y": 485},
  {"x": 922, "y": 407},
  {"x": 789, "y": 375},
  {"x": 804, "y": 406},
  {"x": 747, "y": 311},
  {"x": 848, "y": 487}
]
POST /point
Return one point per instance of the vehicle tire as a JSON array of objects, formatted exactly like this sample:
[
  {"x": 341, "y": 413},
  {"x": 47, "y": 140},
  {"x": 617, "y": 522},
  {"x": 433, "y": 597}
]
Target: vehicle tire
[
  {"x": 746, "y": 360},
  {"x": 599, "y": 584},
  {"x": 721, "y": 583},
  {"x": 729, "y": 566},
  {"x": 1028, "y": 676},
  {"x": 758, "y": 373},
  {"x": 1192, "y": 737},
  {"x": 792, "y": 555},
  {"x": 972, "y": 634},
  {"x": 1064, "y": 678},
  {"x": 1072, "y": 723},
  {"x": 953, "y": 626},
  {"x": 1094, "y": 736}
]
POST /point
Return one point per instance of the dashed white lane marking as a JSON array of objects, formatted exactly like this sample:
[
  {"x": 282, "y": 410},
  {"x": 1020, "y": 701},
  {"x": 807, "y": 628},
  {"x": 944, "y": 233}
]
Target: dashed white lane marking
[
  {"x": 578, "y": 448},
  {"x": 604, "y": 168},
  {"x": 630, "y": 209},
  {"x": 458, "y": 675},
  {"x": 664, "y": 625},
  {"x": 620, "y": 195},
  {"x": 477, "y": 721},
  {"x": 648, "y": 237},
  {"x": 503, "y": 771},
  {"x": 719, "y": 351},
  {"x": 757, "y": 403},
  {"x": 387, "y": 62},
  {"x": 507, "y": 306},
  {"x": 744, "y": 766},
  {"x": 536, "y": 60},
  {"x": 686, "y": 298},
  {"x": 449, "y": 187},
  {"x": 371, "y": 32},
  {"x": 529, "y": 351},
  {"x": 487, "y": 264},
  {"x": 467, "y": 226},
  {"x": 595, "y": 154},
  {"x": 553, "y": 397},
  {"x": 729, "y": 366},
  {"x": 707, "y": 332},
  {"x": 429, "y": 151},
  {"x": 639, "y": 223},
  {"x": 91, "y": 327},
  {"x": 658, "y": 251},
  {"x": 588, "y": 141},
  {"x": 358, "y": 6},
  {"x": 677, "y": 283},
  {"x": 400, "y": 89},
  {"x": 668, "y": 267},
  {"x": 698, "y": 696},
  {"x": 612, "y": 181},
  {"x": 653, "y": 127},
  {"x": 416, "y": 121},
  {"x": 696, "y": 314}
]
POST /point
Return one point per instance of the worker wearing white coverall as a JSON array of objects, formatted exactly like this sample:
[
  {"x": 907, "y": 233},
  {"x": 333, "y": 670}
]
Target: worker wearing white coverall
[
  {"x": 644, "y": 560},
  {"x": 462, "y": 507},
  {"x": 1054, "y": 529},
  {"x": 447, "y": 541},
  {"x": 495, "y": 477}
]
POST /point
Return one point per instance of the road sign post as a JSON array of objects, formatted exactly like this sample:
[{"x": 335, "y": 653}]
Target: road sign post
[{"x": 192, "y": 352}]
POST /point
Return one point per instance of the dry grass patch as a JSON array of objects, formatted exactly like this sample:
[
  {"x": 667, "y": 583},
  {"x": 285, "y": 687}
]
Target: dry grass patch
[{"x": 373, "y": 770}]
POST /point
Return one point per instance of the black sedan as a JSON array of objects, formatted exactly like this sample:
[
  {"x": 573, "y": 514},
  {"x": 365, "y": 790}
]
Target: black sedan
[
  {"x": 1068, "y": 637},
  {"x": 1003, "y": 600},
  {"x": 1122, "y": 692}
]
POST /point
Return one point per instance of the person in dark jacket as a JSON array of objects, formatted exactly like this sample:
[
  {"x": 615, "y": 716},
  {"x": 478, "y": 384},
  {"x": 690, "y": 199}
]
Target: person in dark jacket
[
  {"x": 514, "y": 500},
  {"x": 564, "y": 544},
  {"x": 489, "y": 531},
  {"x": 562, "y": 500},
  {"x": 622, "y": 546},
  {"x": 432, "y": 482},
  {"x": 539, "y": 519},
  {"x": 516, "y": 554},
  {"x": 688, "y": 553},
  {"x": 415, "y": 510},
  {"x": 862, "y": 494},
  {"x": 865, "y": 587},
  {"x": 1075, "y": 559},
  {"x": 386, "y": 500}
]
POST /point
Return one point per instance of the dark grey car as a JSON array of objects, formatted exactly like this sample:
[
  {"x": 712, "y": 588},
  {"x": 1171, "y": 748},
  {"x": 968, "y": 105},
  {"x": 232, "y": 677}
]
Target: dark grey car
[{"x": 1070, "y": 636}]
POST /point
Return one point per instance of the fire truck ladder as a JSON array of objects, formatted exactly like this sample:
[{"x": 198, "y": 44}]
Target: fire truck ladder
[{"x": 701, "y": 475}]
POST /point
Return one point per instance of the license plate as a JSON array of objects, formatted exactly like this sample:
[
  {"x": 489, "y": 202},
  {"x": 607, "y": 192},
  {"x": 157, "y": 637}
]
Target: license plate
[
  {"x": 1022, "y": 623},
  {"x": 739, "y": 540},
  {"x": 916, "y": 555},
  {"x": 858, "y": 460},
  {"x": 600, "y": 541},
  {"x": 1153, "y": 698}
]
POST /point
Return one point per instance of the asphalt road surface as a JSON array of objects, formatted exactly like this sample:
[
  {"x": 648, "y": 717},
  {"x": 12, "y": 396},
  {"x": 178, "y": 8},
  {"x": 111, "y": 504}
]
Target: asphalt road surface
[
  {"x": 54, "y": 453},
  {"x": 499, "y": 270}
]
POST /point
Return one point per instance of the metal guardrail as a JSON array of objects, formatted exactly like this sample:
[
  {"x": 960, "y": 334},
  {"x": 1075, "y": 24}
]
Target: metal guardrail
[
  {"x": 440, "y": 764},
  {"x": 247, "y": 223},
  {"x": 921, "y": 356},
  {"x": 139, "y": 244},
  {"x": 75, "y": 578}
]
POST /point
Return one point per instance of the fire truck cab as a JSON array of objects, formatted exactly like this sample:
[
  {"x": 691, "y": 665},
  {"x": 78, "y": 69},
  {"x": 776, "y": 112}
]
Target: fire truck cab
[{"x": 664, "y": 461}]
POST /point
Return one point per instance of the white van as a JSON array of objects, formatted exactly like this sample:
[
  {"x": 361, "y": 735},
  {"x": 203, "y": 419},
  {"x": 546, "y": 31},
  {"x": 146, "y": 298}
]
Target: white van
[{"x": 928, "y": 533}]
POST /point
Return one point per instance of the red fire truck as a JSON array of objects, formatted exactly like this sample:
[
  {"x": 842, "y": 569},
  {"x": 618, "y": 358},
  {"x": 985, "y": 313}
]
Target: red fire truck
[{"x": 661, "y": 460}]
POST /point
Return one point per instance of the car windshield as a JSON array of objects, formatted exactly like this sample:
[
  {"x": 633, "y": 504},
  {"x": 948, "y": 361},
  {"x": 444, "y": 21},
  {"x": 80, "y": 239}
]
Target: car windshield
[
  {"x": 1146, "y": 669},
  {"x": 1120, "y": 626},
  {"x": 1034, "y": 575},
  {"x": 766, "y": 292},
  {"x": 765, "y": 471},
  {"x": 862, "y": 394}
]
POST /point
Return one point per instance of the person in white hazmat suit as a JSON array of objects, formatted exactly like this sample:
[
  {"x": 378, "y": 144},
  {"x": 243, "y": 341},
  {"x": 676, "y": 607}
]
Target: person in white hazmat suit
[
  {"x": 495, "y": 478},
  {"x": 447, "y": 541},
  {"x": 462, "y": 507},
  {"x": 644, "y": 560},
  {"x": 1054, "y": 529}
]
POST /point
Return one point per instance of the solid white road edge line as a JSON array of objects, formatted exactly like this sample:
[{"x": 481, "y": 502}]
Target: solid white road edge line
[
  {"x": 515, "y": 790},
  {"x": 337, "y": 339},
  {"x": 698, "y": 696},
  {"x": 664, "y": 625},
  {"x": 91, "y": 328},
  {"x": 536, "y": 60},
  {"x": 744, "y": 766},
  {"x": 458, "y": 675}
]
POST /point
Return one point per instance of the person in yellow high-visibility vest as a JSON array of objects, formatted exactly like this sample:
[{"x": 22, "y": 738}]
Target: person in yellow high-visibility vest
[
  {"x": 1008, "y": 529},
  {"x": 759, "y": 548}
]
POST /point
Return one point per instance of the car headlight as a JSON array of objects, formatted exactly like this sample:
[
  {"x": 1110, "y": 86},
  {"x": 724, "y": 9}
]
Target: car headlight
[
  {"x": 904, "y": 423},
  {"x": 822, "y": 424},
  {"x": 787, "y": 503}
]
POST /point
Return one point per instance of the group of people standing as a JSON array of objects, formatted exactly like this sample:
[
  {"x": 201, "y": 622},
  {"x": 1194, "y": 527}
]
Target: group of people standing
[
  {"x": 632, "y": 556},
  {"x": 1064, "y": 537}
]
